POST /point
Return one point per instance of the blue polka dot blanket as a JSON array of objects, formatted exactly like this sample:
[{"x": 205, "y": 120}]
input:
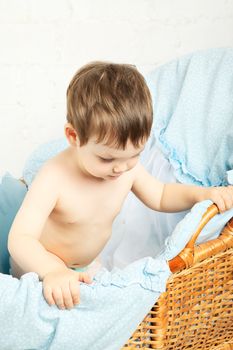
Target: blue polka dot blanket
[
  {"x": 193, "y": 115},
  {"x": 111, "y": 307}
]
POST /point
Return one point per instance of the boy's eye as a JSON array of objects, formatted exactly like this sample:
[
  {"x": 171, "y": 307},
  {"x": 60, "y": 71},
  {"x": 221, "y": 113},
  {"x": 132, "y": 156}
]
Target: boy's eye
[{"x": 107, "y": 160}]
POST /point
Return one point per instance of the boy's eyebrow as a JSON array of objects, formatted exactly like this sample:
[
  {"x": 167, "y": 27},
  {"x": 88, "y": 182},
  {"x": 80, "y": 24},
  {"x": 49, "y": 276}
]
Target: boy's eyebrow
[{"x": 113, "y": 157}]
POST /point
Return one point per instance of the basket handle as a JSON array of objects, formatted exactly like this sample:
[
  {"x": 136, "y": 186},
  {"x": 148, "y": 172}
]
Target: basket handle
[{"x": 179, "y": 263}]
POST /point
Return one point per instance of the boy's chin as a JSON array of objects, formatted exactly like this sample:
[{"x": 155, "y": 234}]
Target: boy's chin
[
  {"x": 113, "y": 177},
  {"x": 105, "y": 177},
  {"x": 99, "y": 177}
]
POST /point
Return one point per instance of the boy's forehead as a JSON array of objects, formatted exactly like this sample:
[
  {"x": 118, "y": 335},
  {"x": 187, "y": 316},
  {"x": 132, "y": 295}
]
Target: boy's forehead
[{"x": 130, "y": 149}]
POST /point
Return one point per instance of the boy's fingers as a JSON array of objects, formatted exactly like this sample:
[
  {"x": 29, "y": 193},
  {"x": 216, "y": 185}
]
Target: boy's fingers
[
  {"x": 47, "y": 292},
  {"x": 230, "y": 193},
  {"x": 67, "y": 297},
  {"x": 228, "y": 201},
  {"x": 220, "y": 203},
  {"x": 58, "y": 297},
  {"x": 85, "y": 277},
  {"x": 75, "y": 291}
]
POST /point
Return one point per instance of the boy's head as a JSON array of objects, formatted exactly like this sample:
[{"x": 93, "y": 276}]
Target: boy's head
[{"x": 110, "y": 102}]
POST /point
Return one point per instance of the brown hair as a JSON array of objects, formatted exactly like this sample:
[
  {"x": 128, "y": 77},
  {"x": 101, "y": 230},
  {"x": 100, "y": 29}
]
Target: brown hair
[{"x": 109, "y": 101}]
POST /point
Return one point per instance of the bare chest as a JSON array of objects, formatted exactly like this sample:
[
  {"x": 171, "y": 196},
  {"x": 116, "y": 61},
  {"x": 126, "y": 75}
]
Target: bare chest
[
  {"x": 80, "y": 224},
  {"x": 80, "y": 204}
]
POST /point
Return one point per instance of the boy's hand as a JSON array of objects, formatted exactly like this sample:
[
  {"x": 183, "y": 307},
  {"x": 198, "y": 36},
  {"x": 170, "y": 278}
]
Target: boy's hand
[
  {"x": 221, "y": 196},
  {"x": 61, "y": 287}
]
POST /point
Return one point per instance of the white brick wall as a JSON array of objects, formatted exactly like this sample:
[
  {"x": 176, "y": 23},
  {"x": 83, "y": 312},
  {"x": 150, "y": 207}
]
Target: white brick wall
[{"x": 43, "y": 42}]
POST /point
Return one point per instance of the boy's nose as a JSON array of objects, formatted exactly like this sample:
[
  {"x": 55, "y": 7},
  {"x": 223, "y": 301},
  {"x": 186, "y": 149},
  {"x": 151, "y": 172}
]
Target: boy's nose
[{"x": 120, "y": 168}]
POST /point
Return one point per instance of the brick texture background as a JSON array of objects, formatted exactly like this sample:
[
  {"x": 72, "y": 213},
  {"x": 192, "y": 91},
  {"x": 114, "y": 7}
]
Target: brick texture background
[{"x": 43, "y": 43}]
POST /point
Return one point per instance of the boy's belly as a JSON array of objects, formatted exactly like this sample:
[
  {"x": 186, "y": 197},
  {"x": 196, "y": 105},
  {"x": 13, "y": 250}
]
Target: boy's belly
[{"x": 76, "y": 245}]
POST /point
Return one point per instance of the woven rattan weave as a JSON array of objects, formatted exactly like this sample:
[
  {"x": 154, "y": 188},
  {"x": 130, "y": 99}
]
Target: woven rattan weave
[{"x": 196, "y": 311}]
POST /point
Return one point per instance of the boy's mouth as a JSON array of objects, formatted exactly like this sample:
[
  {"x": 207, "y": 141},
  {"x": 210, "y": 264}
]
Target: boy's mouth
[{"x": 115, "y": 176}]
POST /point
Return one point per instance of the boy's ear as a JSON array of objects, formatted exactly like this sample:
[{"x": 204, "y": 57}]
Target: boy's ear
[{"x": 71, "y": 135}]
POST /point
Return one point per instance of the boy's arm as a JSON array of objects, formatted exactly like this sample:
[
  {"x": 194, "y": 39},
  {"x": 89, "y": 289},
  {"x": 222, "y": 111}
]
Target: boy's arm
[
  {"x": 23, "y": 241},
  {"x": 60, "y": 284},
  {"x": 175, "y": 197}
]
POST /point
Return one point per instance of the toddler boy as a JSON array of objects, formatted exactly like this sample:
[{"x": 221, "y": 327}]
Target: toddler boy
[{"x": 66, "y": 217}]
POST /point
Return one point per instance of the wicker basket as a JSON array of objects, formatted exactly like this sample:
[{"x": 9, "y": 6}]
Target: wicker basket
[{"x": 196, "y": 311}]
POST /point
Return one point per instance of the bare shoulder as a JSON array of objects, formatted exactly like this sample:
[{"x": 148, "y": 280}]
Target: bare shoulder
[
  {"x": 139, "y": 171},
  {"x": 44, "y": 191},
  {"x": 51, "y": 174},
  {"x": 138, "y": 174},
  {"x": 147, "y": 188},
  {"x": 143, "y": 177},
  {"x": 130, "y": 176}
]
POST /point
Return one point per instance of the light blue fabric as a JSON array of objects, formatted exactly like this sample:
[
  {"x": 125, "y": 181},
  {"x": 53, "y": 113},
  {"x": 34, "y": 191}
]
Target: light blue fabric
[
  {"x": 229, "y": 177},
  {"x": 193, "y": 115},
  {"x": 12, "y": 192},
  {"x": 184, "y": 229},
  {"x": 110, "y": 308},
  {"x": 105, "y": 319}
]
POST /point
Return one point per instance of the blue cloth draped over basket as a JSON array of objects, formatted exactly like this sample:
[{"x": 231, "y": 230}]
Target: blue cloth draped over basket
[
  {"x": 110, "y": 308},
  {"x": 113, "y": 306},
  {"x": 193, "y": 114}
]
